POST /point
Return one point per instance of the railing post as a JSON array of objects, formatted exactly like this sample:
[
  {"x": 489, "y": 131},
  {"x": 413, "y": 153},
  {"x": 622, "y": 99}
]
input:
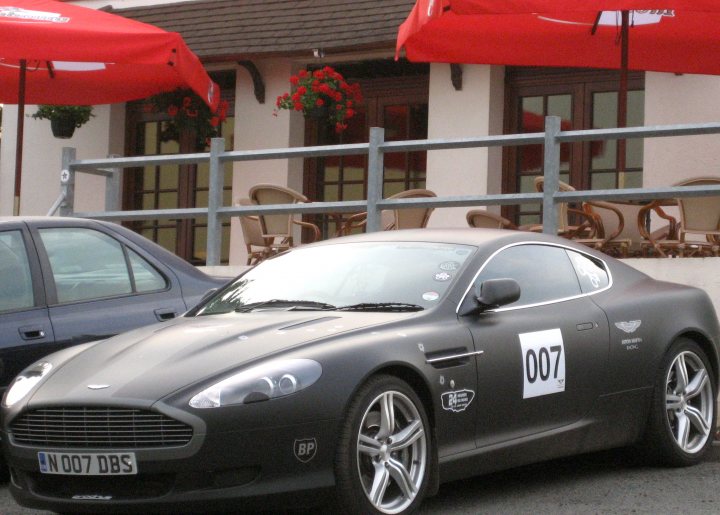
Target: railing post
[
  {"x": 112, "y": 188},
  {"x": 67, "y": 182},
  {"x": 551, "y": 166},
  {"x": 375, "y": 179},
  {"x": 214, "y": 224}
]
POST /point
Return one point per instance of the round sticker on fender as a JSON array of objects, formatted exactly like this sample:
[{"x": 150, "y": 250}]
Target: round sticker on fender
[{"x": 543, "y": 357}]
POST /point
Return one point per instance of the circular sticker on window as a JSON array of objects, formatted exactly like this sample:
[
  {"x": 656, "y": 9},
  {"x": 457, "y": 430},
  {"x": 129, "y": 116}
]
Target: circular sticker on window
[
  {"x": 430, "y": 296},
  {"x": 449, "y": 266},
  {"x": 443, "y": 276}
]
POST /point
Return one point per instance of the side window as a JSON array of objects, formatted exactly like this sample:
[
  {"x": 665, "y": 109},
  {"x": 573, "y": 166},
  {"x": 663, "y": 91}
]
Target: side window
[
  {"x": 543, "y": 272},
  {"x": 15, "y": 279},
  {"x": 86, "y": 264},
  {"x": 146, "y": 277},
  {"x": 591, "y": 272}
]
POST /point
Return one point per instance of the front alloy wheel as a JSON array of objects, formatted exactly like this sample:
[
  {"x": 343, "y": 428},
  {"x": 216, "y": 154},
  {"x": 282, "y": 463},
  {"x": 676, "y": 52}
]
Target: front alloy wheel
[{"x": 384, "y": 456}]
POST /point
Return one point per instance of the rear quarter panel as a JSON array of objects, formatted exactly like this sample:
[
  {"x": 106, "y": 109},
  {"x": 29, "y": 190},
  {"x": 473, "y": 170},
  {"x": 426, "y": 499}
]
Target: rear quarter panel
[{"x": 645, "y": 316}]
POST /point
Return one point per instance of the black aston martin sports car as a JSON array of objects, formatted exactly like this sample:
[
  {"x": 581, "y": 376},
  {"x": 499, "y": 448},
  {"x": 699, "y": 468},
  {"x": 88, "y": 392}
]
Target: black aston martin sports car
[{"x": 375, "y": 367}]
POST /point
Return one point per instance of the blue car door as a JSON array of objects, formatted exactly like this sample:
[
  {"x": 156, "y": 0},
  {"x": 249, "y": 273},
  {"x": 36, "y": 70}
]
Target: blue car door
[
  {"x": 25, "y": 330},
  {"x": 100, "y": 286}
]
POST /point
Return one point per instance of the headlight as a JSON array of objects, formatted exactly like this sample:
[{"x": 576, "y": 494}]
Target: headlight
[
  {"x": 267, "y": 381},
  {"x": 26, "y": 381}
]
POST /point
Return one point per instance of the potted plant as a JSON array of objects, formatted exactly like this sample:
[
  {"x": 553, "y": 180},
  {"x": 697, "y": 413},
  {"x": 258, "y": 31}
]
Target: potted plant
[
  {"x": 322, "y": 94},
  {"x": 189, "y": 114},
  {"x": 64, "y": 119}
]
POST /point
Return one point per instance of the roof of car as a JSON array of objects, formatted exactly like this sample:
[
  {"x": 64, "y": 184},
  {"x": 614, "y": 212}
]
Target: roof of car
[{"x": 457, "y": 235}]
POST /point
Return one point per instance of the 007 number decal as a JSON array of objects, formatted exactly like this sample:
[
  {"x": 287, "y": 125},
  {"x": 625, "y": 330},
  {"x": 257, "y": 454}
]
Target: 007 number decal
[{"x": 543, "y": 363}]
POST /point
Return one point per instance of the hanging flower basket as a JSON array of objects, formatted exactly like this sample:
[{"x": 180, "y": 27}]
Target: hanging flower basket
[
  {"x": 63, "y": 128},
  {"x": 187, "y": 114},
  {"x": 323, "y": 95},
  {"x": 64, "y": 119}
]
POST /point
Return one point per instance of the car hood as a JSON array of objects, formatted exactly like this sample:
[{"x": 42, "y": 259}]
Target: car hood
[{"x": 150, "y": 363}]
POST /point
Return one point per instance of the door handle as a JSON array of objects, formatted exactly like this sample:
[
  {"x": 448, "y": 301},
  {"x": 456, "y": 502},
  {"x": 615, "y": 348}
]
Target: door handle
[
  {"x": 586, "y": 326},
  {"x": 29, "y": 332},
  {"x": 164, "y": 314}
]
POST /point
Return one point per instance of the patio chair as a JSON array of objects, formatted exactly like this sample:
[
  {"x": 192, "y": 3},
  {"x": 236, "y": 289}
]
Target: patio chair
[
  {"x": 409, "y": 218},
  {"x": 278, "y": 228},
  {"x": 258, "y": 248},
  {"x": 699, "y": 216},
  {"x": 610, "y": 229},
  {"x": 485, "y": 219},
  {"x": 572, "y": 223}
]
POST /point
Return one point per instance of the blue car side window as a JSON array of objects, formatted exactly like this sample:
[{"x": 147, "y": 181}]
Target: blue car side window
[{"x": 15, "y": 279}]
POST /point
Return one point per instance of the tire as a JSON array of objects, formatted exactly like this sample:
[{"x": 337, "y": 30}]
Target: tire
[
  {"x": 384, "y": 455},
  {"x": 682, "y": 420}
]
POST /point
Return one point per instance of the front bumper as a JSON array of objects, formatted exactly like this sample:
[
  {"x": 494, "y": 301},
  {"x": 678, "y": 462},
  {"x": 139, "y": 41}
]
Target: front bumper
[{"x": 242, "y": 470}]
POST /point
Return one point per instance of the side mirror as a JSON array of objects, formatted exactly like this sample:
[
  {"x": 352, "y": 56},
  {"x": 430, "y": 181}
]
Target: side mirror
[
  {"x": 491, "y": 294},
  {"x": 494, "y": 293}
]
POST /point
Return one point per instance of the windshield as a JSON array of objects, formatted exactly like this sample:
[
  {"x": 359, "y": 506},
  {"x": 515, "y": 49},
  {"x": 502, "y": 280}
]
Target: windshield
[{"x": 377, "y": 276}]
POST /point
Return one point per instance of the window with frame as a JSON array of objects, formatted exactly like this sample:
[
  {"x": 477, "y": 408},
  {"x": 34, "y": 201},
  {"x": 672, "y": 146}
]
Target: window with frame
[
  {"x": 16, "y": 290},
  {"x": 544, "y": 273},
  {"x": 109, "y": 270}
]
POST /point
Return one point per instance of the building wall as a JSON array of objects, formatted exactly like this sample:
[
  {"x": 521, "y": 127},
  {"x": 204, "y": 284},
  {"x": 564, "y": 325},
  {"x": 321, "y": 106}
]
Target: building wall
[
  {"x": 42, "y": 159},
  {"x": 674, "y": 99},
  {"x": 475, "y": 110}
]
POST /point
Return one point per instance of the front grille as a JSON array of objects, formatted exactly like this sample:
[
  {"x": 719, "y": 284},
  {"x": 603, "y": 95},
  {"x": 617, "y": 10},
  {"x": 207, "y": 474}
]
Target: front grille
[{"x": 107, "y": 428}]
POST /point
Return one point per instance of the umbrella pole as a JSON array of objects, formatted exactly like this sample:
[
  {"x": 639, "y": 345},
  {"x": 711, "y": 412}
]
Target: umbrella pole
[
  {"x": 19, "y": 135},
  {"x": 622, "y": 93}
]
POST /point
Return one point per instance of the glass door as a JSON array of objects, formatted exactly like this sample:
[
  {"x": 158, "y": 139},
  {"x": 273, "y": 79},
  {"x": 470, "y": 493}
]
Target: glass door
[
  {"x": 175, "y": 186},
  {"x": 583, "y": 99},
  {"x": 400, "y": 106}
]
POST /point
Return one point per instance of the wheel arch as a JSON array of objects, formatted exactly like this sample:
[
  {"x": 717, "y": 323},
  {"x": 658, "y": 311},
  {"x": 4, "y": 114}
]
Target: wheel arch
[{"x": 708, "y": 348}]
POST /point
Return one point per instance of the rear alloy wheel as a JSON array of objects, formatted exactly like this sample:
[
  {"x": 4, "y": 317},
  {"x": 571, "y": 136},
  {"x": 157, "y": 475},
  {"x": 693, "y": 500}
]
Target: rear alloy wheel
[
  {"x": 682, "y": 426},
  {"x": 384, "y": 455}
]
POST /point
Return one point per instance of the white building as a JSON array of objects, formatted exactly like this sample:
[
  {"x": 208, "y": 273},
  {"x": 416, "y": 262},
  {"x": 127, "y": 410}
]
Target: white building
[{"x": 252, "y": 47}]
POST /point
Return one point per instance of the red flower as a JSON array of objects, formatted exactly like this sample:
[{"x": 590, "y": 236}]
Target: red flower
[
  {"x": 321, "y": 87},
  {"x": 173, "y": 111},
  {"x": 187, "y": 102}
]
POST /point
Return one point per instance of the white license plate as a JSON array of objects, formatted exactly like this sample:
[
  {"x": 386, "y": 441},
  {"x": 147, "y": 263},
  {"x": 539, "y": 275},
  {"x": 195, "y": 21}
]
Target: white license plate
[{"x": 87, "y": 464}]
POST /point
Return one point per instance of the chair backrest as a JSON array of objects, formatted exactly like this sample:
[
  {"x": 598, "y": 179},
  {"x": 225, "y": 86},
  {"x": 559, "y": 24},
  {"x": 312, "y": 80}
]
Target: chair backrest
[
  {"x": 700, "y": 215},
  {"x": 251, "y": 227},
  {"x": 414, "y": 217},
  {"x": 264, "y": 194},
  {"x": 485, "y": 219},
  {"x": 563, "y": 222}
]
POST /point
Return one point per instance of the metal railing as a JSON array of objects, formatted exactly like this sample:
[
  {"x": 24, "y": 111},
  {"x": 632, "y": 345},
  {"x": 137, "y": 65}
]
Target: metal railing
[{"x": 551, "y": 139}]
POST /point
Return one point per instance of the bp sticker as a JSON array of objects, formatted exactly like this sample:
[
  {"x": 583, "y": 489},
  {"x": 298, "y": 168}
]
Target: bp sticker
[{"x": 543, "y": 356}]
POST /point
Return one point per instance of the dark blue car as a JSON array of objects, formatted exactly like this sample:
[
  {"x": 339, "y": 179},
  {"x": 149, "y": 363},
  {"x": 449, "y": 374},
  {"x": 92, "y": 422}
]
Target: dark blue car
[{"x": 65, "y": 281}]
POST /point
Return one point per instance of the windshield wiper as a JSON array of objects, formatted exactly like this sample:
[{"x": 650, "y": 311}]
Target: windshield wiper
[
  {"x": 381, "y": 306},
  {"x": 294, "y": 305}
]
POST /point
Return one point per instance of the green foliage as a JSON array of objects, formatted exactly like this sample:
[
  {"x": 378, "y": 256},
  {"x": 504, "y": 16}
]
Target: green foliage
[{"x": 80, "y": 114}]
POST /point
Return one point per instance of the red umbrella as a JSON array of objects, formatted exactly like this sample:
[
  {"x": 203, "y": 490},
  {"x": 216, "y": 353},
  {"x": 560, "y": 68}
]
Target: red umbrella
[
  {"x": 53, "y": 52},
  {"x": 681, "y": 36}
]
